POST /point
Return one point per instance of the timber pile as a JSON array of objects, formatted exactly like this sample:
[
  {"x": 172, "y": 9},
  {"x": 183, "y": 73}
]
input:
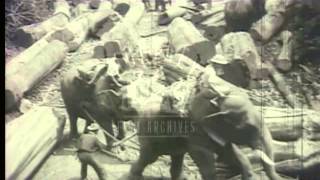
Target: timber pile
[
  {"x": 30, "y": 67},
  {"x": 27, "y": 35},
  {"x": 74, "y": 33},
  {"x": 296, "y": 132},
  {"x": 30, "y": 139},
  {"x": 187, "y": 40}
]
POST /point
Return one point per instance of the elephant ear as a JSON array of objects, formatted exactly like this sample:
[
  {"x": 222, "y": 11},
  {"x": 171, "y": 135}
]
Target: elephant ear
[{"x": 109, "y": 99}]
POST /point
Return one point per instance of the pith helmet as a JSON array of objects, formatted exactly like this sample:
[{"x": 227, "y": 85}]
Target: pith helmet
[
  {"x": 93, "y": 127},
  {"x": 219, "y": 59}
]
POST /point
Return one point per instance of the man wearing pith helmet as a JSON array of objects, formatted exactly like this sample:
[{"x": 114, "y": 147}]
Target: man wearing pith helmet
[{"x": 88, "y": 146}]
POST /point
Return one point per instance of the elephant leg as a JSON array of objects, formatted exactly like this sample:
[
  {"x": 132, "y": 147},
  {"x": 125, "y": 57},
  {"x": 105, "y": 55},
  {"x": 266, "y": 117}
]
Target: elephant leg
[
  {"x": 176, "y": 167},
  {"x": 108, "y": 127},
  {"x": 234, "y": 156},
  {"x": 205, "y": 161},
  {"x": 73, "y": 124},
  {"x": 146, "y": 157}
]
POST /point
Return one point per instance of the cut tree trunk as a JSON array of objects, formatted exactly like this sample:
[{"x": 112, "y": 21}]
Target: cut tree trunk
[
  {"x": 214, "y": 26},
  {"x": 240, "y": 46},
  {"x": 187, "y": 40},
  {"x": 281, "y": 84},
  {"x": 74, "y": 33},
  {"x": 288, "y": 124},
  {"x": 283, "y": 62},
  {"x": 27, "y": 35},
  {"x": 30, "y": 139},
  {"x": 180, "y": 67},
  {"x": 28, "y": 68},
  {"x": 80, "y": 9},
  {"x": 267, "y": 27},
  {"x": 173, "y": 12}
]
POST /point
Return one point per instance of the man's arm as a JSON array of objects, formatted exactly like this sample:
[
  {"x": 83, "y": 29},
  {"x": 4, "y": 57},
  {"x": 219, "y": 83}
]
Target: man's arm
[{"x": 100, "y": 145}]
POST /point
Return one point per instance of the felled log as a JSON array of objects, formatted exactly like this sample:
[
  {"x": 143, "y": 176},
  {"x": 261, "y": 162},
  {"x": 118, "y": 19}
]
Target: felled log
[
  {"x": 281, "y": 84},
  {"x": 308, "y": 167},
  {"x": 104, "y": 26},
  {"x": 283, "y": 62},
  {"x": 240, "y": 46},
  {"x": 80, "y": 9},
  {"x": 288, "y": 124},
  {"x": 213, "y": 24},
  {"x": 30, "y": 139},
  {"x": 173, "y": 12},
  {"x": 28, "y": 68},
  {"x": 180, "y": 67},
  {"x": 74, "y": 33},
  {"x": 94, "y": 4},
  {"x": 187, "y": 40},
  {"x": 267, "y": 27},
  {"x": 25, "y": 36}
]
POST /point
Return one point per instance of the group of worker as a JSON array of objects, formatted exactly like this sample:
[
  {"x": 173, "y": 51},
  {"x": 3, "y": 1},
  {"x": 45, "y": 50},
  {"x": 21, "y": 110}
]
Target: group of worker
[{"x": 160, "y": 5}]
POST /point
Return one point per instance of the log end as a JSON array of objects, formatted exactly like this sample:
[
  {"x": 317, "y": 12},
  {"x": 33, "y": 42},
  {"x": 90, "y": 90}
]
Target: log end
[
  {"x": 122, "y": 8},
  {"x": 23, "y": 38},
  {"x": 200, "y": 52},
  {"x": 164, "y": 19},
  {"x": 94, "y": 4},
  {"x": 283, "y": 65},
  {"x": 99, "y": 52}
]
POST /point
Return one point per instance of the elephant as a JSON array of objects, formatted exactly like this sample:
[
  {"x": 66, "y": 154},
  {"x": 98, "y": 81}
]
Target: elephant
[
  {"x": 80, "y": 93},
  {"x": 217, "y": 123}
]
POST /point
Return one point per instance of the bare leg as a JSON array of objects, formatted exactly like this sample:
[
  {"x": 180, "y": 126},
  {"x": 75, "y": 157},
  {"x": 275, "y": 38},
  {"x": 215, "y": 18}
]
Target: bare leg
[{"x": 176, "y": 167}]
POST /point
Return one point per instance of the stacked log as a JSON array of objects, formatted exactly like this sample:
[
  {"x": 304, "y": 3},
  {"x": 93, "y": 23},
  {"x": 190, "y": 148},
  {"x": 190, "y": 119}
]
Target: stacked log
[
  {"x": 124, "y": 33},
  {"x": 173, "y": 12},
  {"x": 180, "y": 67},
  {"x": 27, "y": 35},
  {"x": 240, "y": 46},
  {"x": 31, "y": 66},
  {"x": 80, "y": 9},
  {"x": 212, "y": 22},
  {"x": 187, "y": 40},
  {"x": 30, "y": 139},
  {"x": 74, "y": 33}
]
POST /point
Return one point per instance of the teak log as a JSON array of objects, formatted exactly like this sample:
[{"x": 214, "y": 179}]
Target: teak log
[
  {"x": 240, "y": 46},
  {"x": 28, "y": 68},
  {"x": 77, "y": 30},
  {"x": 281, "y": 84},
  {"x": 27, "y": 35},
  {"x": 180, "y": 67},
  {"x": 283, "y": 62},
  {"x": 187, "y": 40},
  {"x": 30, "y": 139},
  {"x": 267, "y": 27},
  {"x": 80, "y": 9},
  {"x": 213, "y": 24},
  {"x": 173, "y": 12},
  {"x": 288, "y": 124}
]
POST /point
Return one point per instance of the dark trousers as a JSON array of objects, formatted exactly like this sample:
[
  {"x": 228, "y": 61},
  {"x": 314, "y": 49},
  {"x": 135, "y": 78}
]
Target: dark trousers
[
  {"x": 87, "y": 158},
  {"x": 162, "y": 4}
]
